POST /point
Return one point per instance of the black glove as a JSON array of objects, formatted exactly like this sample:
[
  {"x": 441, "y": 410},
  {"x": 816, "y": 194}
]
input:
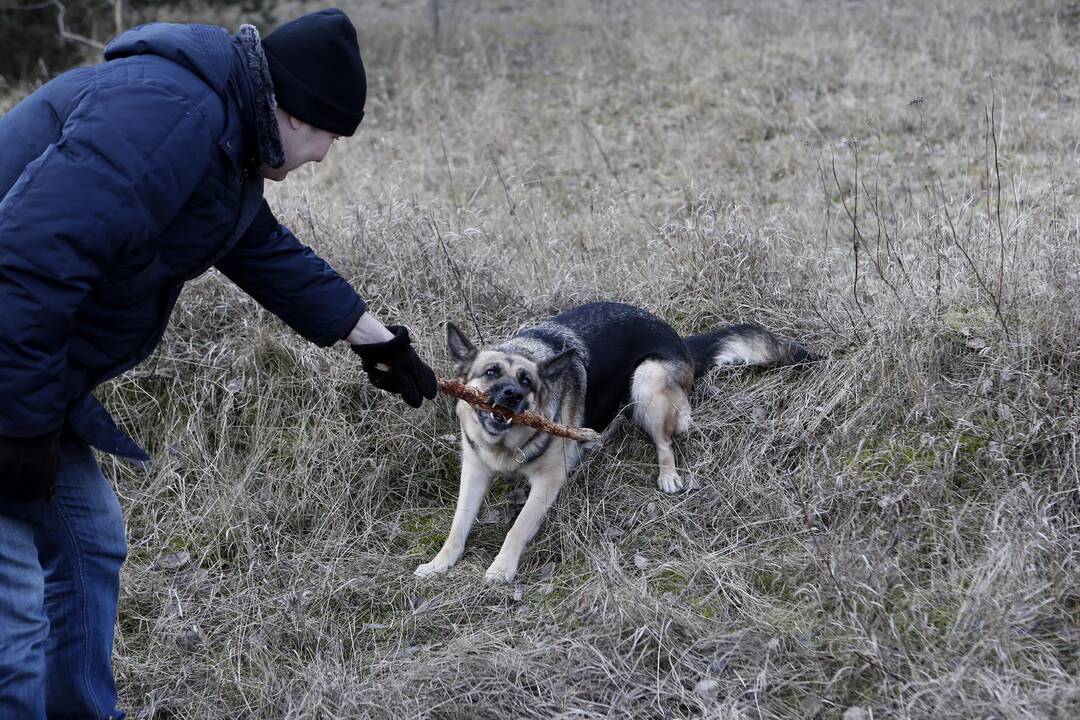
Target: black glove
[
  {"x": 28, "y": 467},
  {"x": 406, "y": 373}
]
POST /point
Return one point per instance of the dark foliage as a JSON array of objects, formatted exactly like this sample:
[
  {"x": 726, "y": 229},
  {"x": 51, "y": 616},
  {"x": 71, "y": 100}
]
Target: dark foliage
[{"x": 34, "y": 49}]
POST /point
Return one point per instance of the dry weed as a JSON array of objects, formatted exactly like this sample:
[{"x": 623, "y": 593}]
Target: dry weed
[{"x": 893, "y": 533}]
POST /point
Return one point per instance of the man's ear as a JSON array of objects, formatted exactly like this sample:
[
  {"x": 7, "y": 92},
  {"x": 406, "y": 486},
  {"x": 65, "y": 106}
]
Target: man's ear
[
  {"x": 462, "y": 352},
  {"x": 550, "y": 370},
  {"x": 284, "y": 118}
]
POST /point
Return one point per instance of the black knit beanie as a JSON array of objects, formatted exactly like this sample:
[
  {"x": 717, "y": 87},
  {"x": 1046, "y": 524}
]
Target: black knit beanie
[{"x": 317, "y": 71}]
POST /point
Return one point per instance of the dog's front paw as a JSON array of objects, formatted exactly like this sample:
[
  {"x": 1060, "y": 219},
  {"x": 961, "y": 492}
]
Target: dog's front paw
[
  {"x": 500, "y": 571},
  {"x": 438, "y": 566},
  {"x": 669, "y": 481}
]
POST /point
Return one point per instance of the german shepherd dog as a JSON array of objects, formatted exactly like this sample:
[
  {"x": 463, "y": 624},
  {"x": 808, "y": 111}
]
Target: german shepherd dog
[{"x": 581, "y": 368}]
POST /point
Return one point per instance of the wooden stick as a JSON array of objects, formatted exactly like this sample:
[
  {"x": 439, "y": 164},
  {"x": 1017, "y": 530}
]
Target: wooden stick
[{"x": 478, "y": 399}]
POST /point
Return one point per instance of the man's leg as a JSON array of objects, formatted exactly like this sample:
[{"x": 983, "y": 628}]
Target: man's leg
[
  {"x": 81, "y": 546},
  {"x": 23, "y": 625}
]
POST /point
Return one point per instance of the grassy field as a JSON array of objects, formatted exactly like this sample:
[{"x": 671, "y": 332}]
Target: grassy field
[{"x": 893, "y": 533}]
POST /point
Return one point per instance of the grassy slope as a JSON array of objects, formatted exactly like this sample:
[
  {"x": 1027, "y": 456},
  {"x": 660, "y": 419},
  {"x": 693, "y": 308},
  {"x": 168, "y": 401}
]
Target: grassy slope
[{"x": 890, "y": 534}]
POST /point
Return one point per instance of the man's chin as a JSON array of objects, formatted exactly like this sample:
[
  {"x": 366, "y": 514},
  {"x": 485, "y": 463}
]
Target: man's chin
[{"x": 276, "y": 174}]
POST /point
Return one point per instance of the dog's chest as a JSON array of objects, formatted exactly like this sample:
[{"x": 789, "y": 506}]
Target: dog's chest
[{"x": 498, "y": 458}]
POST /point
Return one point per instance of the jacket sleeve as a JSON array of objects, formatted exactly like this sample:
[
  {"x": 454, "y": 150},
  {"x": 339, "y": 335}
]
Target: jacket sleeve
[
  {"x": 124, "y": 163},
  {"x": 291, "y": 281}
]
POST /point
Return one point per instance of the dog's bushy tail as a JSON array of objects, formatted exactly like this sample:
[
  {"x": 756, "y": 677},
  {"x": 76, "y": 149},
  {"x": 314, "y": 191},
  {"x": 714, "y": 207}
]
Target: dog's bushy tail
[{"x": 744, "y": 345}]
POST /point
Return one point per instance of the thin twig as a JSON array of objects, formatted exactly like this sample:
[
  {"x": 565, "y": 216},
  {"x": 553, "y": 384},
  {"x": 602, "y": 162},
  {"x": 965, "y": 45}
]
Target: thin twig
[
  {"x": 855, "y": 226},
  {"x": 1001, "y": 230},
  {"x": 825, "y": 320},
  {"x": 68, "y": 35},
  {"x": 449, "y": 172},
  {"x": 435, "y": 24},
  {"x": 118, "y": 15},
  {"x": 971, "y": 263},
  {"x": 607, "y": 163},
  {"x": 854, "y": 232},
  {"x": 883, "y": 228},
  {"x": 512, "y": 206},
  {"x": 458, "y": 280},
  {"x": 828, "y": 204}
]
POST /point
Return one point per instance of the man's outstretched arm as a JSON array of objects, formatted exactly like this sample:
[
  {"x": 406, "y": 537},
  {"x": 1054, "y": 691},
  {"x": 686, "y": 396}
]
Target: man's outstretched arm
[{"x": 294, "y": 283}]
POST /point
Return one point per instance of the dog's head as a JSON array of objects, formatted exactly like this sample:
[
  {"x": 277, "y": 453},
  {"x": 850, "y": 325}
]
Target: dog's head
[{"x": 511, "y": 380}]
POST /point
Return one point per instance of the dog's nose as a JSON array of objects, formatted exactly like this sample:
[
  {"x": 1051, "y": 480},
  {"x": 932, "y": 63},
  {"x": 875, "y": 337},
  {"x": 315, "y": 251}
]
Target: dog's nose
[{"x": 510, "y": 397}]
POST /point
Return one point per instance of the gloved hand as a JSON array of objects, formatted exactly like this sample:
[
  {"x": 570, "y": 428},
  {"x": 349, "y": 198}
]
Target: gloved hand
[
  {"x": 394, "y": 366},
  {"x": 28, "y": 467}
]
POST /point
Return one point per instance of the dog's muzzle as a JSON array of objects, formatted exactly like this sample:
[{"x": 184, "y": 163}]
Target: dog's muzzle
[
  {"x": 509, "y": 396},
  {"x": 493, "y": 424}
]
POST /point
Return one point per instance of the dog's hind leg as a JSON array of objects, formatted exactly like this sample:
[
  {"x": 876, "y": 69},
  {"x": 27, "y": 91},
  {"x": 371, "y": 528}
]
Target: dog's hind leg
[
  {"x": 662, "y": 410},
  {"x": 475, "y": 478}
]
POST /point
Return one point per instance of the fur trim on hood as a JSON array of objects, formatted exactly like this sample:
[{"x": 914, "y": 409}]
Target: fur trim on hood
[{"x": 271, "y": 152}]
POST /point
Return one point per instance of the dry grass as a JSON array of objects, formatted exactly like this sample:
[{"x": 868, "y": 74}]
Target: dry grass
[{"x": 893, "y": 533}]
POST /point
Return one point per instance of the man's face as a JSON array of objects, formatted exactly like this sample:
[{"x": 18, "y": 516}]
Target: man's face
[{"x": 302, "y": 143}]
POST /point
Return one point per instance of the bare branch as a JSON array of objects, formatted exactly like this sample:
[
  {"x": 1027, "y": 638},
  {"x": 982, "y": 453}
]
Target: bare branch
[
  {"x": 118, "y": 15},
  {"x": 67, "y": 34}
]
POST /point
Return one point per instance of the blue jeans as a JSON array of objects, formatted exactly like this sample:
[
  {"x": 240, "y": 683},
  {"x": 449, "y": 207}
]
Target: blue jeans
[{"x": 59, "y": 585}]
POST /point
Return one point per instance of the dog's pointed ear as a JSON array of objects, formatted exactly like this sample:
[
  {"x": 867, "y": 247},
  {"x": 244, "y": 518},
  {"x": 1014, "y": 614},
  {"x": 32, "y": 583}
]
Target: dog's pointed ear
[
  {"x": 551, "y": 369},
  {"x": 462, "y": 352}
]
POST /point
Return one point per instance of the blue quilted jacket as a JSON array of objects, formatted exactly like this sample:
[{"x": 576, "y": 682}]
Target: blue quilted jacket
[{"x": 118, "y": 183}]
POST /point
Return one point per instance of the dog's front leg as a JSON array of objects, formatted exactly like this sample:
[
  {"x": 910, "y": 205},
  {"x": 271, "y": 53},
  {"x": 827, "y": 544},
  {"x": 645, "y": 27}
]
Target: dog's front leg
[
  {"x": 542, "y": 494},
  {"x": 475, "y": 478}
]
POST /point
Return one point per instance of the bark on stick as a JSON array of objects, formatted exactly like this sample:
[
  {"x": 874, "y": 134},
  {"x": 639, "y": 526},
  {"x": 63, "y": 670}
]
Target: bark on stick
[{"x": 478, "y": 399}]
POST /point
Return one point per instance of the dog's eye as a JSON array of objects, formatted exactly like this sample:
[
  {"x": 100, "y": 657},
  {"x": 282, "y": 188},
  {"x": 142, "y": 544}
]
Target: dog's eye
[
  {"x": 492, "y": 371},
  {"x": 525, "y": 381}
]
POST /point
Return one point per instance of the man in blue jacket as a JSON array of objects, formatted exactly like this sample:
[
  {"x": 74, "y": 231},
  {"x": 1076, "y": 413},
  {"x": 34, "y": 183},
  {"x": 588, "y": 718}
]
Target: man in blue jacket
[{"x": 118, "y": 183}]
